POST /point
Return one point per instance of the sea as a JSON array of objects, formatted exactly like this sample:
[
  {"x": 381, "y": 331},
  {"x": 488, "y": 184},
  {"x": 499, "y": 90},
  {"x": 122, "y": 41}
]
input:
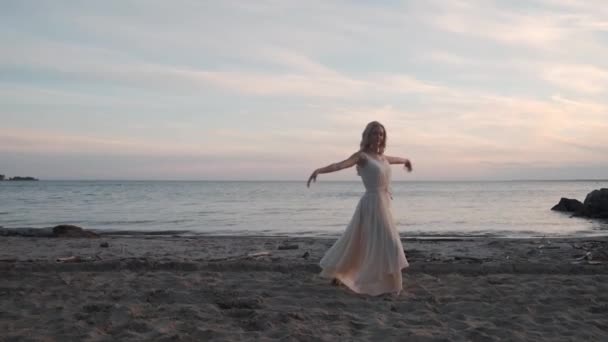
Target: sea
[{"x": 289, "y": 208}]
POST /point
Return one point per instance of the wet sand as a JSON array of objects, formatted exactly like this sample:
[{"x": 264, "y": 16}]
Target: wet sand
[{"x": 193, "y": 288}]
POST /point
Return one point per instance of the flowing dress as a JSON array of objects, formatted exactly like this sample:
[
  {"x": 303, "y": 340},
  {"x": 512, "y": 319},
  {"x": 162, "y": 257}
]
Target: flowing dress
[{"x": 369, "y": 257}]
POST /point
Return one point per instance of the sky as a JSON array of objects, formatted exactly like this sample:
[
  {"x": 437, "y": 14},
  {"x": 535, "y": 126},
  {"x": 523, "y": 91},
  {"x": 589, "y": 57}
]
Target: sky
[{"x": 271, "y": 90}]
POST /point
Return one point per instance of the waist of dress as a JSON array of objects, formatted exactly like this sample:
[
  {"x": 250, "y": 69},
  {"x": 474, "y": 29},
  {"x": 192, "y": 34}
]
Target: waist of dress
[{"x": 379, "y": 191}]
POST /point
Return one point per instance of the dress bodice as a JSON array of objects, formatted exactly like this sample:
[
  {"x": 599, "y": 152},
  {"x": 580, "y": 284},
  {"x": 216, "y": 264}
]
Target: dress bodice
[{"x": 376, "y": 174}]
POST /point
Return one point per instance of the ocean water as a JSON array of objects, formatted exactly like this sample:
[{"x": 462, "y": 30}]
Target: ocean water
[{"x": 510, "y": 208}]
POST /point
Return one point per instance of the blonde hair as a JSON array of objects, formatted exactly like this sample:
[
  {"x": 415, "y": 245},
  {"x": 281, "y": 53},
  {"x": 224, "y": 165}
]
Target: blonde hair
[{"x": 366, "y": 136}]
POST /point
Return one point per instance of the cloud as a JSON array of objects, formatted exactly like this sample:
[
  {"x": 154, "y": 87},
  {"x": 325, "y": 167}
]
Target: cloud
[
  {"x": 44, "y": 141},
  {"x": 457, "y": 83},
  {"x": 499, "y": 24},
  {"x": 579, "y": 78}
]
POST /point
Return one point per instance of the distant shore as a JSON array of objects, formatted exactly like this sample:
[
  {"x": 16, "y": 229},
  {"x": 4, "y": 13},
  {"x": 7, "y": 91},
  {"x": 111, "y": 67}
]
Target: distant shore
[
  {"x": 149, "y": 287},
  {"x": 18, "y": 178}
]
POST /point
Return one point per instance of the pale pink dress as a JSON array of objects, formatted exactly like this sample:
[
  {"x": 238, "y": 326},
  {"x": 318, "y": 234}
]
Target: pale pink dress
[{"x": 369, "y": 257}]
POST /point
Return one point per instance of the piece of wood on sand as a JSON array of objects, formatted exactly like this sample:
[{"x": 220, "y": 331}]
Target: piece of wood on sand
[{"x": 244, "y": 256}]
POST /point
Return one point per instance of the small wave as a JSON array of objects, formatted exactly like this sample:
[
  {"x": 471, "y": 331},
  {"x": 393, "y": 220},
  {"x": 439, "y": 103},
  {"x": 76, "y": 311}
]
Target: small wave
[
  {"x": 335, "y": 225},
  {"x": 178, "y": 221},
  {"x": 269, "y": 212},
  {"x": 127, "y": 222},
  {"x": 209, "y": 212},
  {"x": 22, "y": 227}
]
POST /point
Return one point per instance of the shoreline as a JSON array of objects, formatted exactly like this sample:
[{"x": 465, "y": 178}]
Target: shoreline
[
  {"x": 47, "y": 232},
  {"x": 551, "y": 253},
  {"x": 230, "y": 288}
]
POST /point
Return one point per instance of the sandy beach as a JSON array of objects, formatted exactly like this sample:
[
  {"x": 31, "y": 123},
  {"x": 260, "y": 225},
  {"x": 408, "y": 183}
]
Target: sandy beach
[{"x": 200, "y": 288}]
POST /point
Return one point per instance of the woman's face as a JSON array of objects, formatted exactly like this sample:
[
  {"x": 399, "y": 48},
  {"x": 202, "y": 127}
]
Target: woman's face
[{"x": 376, "y": 136}]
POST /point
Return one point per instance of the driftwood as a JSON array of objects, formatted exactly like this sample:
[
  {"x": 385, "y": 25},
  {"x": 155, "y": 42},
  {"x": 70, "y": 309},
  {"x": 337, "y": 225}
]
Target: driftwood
[
  {"x": 588, "y": 259},
  {"x": 243, "y": 257},
  {"x": 73, "y": 258},
  {"x": 76, "y": 258}
]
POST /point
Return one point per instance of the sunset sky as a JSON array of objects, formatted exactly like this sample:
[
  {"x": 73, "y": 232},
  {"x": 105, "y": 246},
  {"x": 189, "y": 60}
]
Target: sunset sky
[{"x": 270, "y": 90}]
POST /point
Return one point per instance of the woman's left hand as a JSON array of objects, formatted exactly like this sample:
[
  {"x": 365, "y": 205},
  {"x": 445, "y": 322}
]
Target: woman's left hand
[{"x": 408, "y": 165}]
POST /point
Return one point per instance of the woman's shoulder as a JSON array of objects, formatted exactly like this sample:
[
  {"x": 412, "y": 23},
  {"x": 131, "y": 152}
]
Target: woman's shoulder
[
  {"x": 359, "y": 155},
  {"x": 361, "y": 158}
]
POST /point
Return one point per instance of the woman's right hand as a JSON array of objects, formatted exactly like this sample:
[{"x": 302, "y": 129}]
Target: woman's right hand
[{"x": 313, "y": 177}]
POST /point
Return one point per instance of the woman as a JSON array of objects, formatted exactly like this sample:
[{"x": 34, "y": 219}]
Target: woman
[{"x": 368, "y": 257}]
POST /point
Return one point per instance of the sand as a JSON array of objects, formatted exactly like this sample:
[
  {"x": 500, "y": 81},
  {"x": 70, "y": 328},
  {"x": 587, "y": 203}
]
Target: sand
[{"x": 201, "y": 288}]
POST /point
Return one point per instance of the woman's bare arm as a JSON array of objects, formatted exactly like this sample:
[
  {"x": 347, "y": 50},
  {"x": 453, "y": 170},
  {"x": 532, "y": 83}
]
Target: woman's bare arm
[
  {"x": 346, "y": 163},
  {"x": 398, "y": 160}
]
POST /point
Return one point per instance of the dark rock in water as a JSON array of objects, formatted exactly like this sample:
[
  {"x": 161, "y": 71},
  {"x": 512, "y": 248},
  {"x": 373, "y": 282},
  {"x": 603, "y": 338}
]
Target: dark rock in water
[
  {"x": 64, "y": 230},
  {"x": 17, "y": 178},
  {"x": 68, "y": 230},
  {"x": 596, "y": 204},
  {"x": 104, "y": 244},
  {"x": 568, "y": 205}
]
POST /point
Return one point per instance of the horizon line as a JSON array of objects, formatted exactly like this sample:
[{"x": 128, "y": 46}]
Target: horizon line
[{"x": 304, "y": 181}]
